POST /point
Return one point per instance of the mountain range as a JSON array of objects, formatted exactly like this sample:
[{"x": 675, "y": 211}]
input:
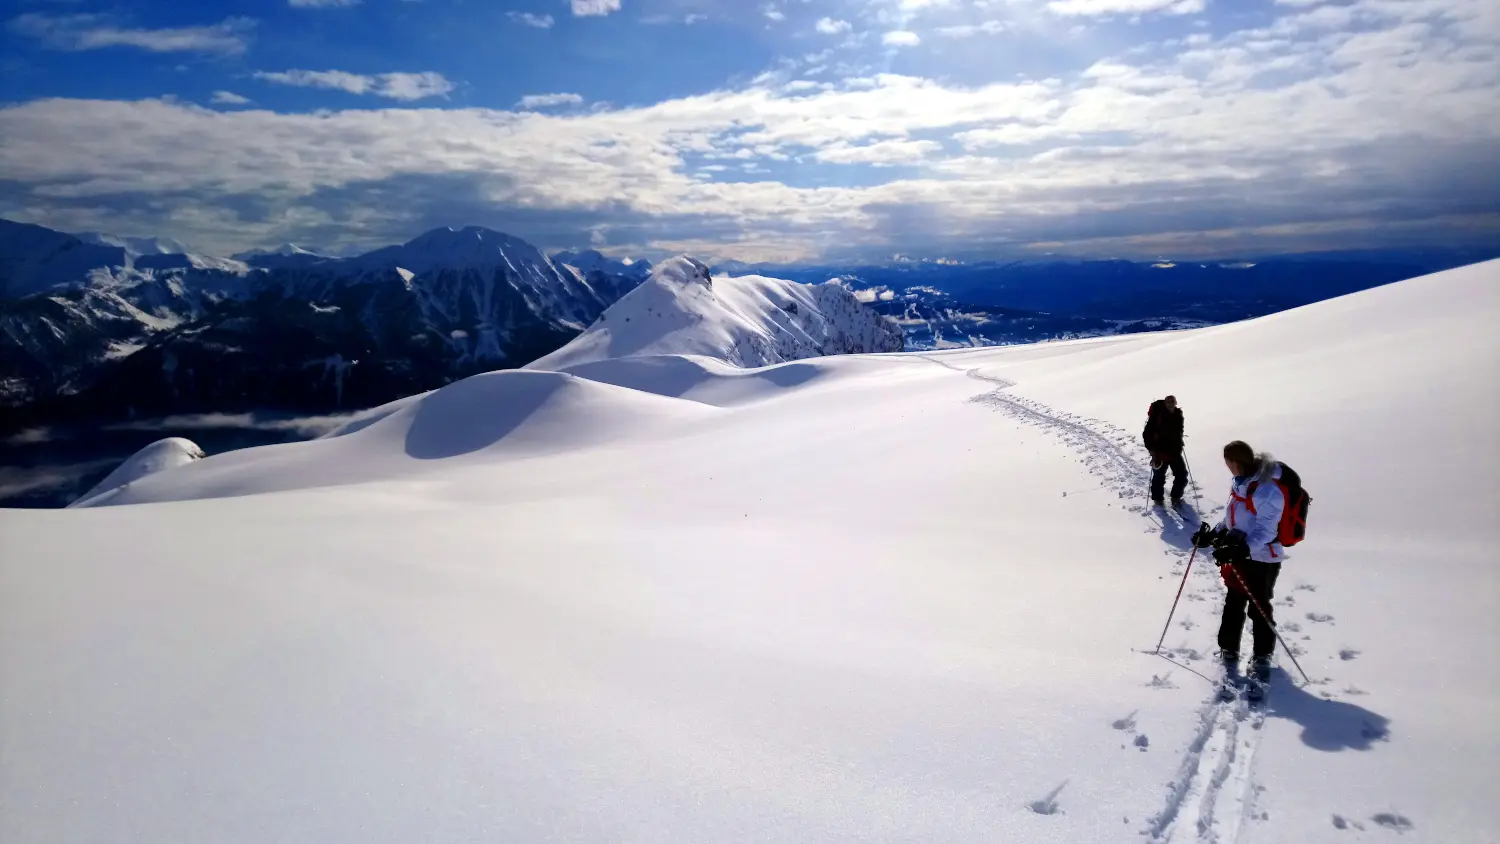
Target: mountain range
[
  {"x": 97, "y": 328},
  {"x": 100, "y": 327}
]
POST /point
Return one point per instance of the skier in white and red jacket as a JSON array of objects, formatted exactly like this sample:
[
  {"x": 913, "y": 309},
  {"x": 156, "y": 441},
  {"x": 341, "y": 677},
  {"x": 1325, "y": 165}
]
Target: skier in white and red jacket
[{"x": 1249, "y": 555}]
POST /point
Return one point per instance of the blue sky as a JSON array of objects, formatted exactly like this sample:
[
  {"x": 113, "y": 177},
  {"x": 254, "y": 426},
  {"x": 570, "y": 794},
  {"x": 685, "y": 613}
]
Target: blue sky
[{"x": 787, "y": 130}]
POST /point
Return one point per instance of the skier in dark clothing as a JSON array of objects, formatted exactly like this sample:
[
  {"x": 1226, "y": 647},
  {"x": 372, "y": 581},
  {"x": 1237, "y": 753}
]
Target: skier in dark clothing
[
  {"x": 1249, "y": 555},
  {"x": 1163, "y": 438}
]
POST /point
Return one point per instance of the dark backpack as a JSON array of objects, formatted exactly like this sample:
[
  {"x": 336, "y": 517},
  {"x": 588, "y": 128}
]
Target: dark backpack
[
  {"x": 1161, "y": 429},
  {"x": 1293, "y": 526},
  {"x": 1148, "y": 433}
]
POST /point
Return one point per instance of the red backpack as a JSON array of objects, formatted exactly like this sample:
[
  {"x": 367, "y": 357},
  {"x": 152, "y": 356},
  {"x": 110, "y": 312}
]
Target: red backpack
[{"x": 1293, "y": 527}]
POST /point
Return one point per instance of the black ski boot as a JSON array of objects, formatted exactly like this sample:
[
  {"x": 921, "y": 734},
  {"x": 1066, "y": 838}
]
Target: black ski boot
[
  {"x": 1259, "y": 680},
  {"x": 1229, "y": 687}
]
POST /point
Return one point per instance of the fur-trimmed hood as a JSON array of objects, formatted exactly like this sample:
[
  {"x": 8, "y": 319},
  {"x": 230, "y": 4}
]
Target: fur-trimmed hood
[
  {"x": 1269, "y": 469},
  {"x": 1261, "y": 525}
]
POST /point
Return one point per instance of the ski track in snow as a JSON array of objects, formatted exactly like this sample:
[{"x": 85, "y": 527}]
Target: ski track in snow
[{"x": 1213, "y": 792}]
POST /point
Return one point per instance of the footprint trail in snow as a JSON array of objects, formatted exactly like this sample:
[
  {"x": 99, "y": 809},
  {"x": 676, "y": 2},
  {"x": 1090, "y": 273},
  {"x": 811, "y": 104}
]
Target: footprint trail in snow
[{"x": 1213, "y": 791}]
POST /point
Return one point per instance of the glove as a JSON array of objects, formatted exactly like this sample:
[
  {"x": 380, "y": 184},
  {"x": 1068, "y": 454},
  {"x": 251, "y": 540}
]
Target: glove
[
  {"x": 1231, "y": 548},
  {"x": 1206, "y": 537}
]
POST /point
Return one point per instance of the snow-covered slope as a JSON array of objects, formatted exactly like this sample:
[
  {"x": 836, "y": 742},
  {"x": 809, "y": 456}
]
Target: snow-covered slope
[
  {"x": 159, "y": 456},
  {"x": 745, "y": 321},
  {"x": 863, "y": 598}
]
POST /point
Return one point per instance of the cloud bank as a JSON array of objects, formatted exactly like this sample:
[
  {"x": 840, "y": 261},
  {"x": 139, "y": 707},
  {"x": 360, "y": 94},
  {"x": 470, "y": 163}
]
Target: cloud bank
[{"x": 1370, "y": 123}]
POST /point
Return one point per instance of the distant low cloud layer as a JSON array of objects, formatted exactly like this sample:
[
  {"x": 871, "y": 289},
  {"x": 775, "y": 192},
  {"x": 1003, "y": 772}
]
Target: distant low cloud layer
[{"x": 1320, "y": 123}]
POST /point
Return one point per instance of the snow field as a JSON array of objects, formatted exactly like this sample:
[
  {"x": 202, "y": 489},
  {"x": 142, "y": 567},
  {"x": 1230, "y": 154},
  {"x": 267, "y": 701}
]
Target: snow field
[{"x": 901, "y": 597}]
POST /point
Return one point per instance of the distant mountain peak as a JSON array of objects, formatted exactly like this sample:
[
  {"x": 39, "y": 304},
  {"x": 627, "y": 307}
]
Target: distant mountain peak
[
  {"x": 592, "y": 260},
  {"x": 447, "y": 236},
  {"x": 285, "y": 250},
  {"x": 682, "y": 270},
  {"x": 747, "y": 321},
  {"x": 450, "y": 248}
]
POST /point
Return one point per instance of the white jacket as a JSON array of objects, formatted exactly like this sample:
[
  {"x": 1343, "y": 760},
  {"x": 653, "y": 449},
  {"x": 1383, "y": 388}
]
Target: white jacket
[{"x": 1261, "y": 527}]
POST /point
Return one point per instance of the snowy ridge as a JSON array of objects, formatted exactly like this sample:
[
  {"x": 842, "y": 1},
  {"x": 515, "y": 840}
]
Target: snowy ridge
[
  {"x": 157, "y": 457},
  {"x": 746, "y": 321},
  {"x": 506, "y": 414}
]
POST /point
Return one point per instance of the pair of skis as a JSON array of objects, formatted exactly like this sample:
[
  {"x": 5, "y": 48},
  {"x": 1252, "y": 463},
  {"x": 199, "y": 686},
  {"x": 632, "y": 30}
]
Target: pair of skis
[{"x": 1237, "y": 686}]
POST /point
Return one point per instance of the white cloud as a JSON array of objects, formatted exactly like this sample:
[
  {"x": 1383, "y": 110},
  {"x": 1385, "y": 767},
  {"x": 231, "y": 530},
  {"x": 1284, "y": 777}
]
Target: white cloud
[
  {"x": 396, "y": 86},
  {"x": 229, "y": 98},
  {"x": 900, "y": 38},
  {"x": 1007, "y": 134},
  {"x": 829, "y": 26},
  {"x": 880, "y": 153},
  {"x": 535, "y": 101},
  {"x": 588, "y": 8},
  {"x": 97, "y": 32},
  {"x": 528, "y": 19},
  {"x": 412, "y": 86},
  {"x": 321, "y": 4},
  {"x": 1291, "y": 129},
  {"x": 775, "y": 14},
  {"x": 971, "y": 30},
  {"x": 1082, "y": 8}
]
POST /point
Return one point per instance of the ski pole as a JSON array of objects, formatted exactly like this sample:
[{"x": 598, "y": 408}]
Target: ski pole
[
  {"x": 1193, "y": 479},
  {"x": 1267, "y": 616},
  {"x": 1168, "y": 625}
]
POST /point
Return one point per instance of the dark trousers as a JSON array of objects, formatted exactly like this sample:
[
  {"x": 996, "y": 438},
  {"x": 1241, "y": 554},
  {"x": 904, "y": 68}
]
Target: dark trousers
[
  {"x": 1261, "y": 580},
  {"x": 1160, "y": 463}
]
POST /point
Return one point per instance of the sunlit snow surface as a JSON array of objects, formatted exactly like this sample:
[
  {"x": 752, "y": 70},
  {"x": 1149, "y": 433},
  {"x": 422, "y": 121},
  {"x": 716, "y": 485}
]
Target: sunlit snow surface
[{"x": 892, "y": 598}]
